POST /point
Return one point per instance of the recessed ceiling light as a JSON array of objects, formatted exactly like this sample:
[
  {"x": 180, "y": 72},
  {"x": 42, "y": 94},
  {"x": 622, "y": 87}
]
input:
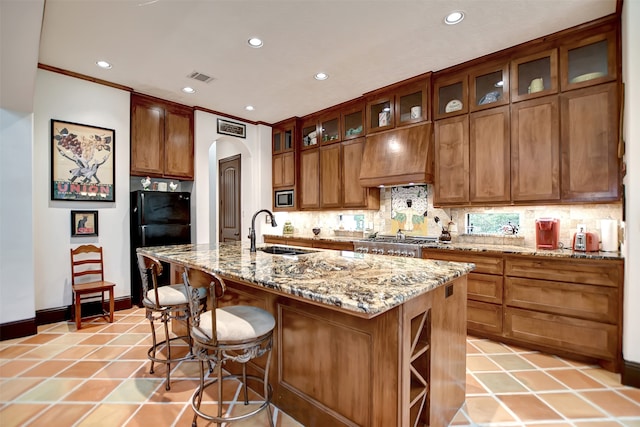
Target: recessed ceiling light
[
  {"x": 499, "y": 84},
  {"x": 454, "y": 18},
  {"x": 321, "y": 76},
  {"x": 188, "y": 89},
  {"x": 249, "y": 108},
  {"x": 103, "y": 64},
  {"x": 255, "y": 42}
]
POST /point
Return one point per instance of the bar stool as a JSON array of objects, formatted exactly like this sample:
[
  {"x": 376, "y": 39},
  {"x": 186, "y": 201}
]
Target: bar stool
[
  {"x": 164, "y": 303},
  {"x": 231, "y": 333}
]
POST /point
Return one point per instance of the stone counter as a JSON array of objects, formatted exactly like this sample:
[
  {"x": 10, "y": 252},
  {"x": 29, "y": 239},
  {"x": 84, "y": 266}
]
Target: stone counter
[
  {"x": 361, "y": 283},
  {"x": 360, "y": 340},
  {"x": 477, "y": 247}
]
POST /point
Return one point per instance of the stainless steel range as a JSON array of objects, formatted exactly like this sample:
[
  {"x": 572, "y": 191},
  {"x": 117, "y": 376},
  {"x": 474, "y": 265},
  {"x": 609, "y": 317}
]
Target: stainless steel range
[{"x": 410, "y": 246}]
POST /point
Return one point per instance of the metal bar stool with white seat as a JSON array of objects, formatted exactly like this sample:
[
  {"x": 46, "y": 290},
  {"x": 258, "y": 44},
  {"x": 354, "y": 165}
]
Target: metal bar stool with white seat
[
  {"x": 163, "y": 303},
  {"x": 237, "y": 333}
]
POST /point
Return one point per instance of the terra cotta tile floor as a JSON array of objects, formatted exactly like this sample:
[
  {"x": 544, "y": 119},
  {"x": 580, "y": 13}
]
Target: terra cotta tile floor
[{"x": 99, "y": 376}]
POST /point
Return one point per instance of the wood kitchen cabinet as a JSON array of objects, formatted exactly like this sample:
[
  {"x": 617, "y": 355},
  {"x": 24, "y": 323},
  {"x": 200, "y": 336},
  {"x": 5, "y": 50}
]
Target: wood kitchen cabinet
[
  {"x": 330, "y": 176},
  {"x": 566, "y": 306},
  {"x": 589, "y": 147},
  {"x": 352, "y": 120},
  {"x": 489, "y": 156},
  {"x": 402, "y": 104},
  {"x": 484, "y": 289},
  {"x": 284, "y": 170},
  {"x": 309, "y": 188},
  {"x": 489, "y": 86},
  {"x": 450, "y": 96},
  {"x": 534, "y": 75},
  {"x": 161, "y": 138},
  {"x": 451, "y": 181},
  {"x": 353, "y": 194},
  {"x": 283, "y": 154},
  {"x": 329, "y": 127},
  {"x": 310, "y": 134},
  {"x": 535, "y": 150},
  {"x": 589, "y": 60}
]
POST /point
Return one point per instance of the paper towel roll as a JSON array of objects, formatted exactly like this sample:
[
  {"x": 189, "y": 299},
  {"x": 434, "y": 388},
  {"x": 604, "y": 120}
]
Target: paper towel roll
[{"x": 609, "y": 235}]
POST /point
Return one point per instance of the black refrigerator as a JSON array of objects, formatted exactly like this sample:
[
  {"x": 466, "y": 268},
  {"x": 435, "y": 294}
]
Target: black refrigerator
[{"x": 158, "y": 218}]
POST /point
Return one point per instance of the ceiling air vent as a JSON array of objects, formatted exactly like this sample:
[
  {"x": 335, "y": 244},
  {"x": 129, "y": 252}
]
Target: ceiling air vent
[{"x": 200, "y": 77}]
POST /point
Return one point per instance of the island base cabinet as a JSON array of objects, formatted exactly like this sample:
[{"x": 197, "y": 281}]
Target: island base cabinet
[{"x": 329, "y": 367}]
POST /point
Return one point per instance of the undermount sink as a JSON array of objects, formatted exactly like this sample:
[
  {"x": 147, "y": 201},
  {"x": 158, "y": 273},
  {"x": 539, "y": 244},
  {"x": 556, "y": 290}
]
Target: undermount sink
[{"x": 284, "y": 250}]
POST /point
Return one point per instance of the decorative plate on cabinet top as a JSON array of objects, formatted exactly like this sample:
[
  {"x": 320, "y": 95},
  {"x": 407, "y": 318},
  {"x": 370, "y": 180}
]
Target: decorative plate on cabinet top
[
  {"x": 453, "y": 105},
  {"x": 588, "y": 76}
]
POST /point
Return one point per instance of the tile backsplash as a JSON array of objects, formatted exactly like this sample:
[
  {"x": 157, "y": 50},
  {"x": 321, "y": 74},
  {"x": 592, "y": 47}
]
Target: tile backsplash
[{"x": 394, "y": 201}]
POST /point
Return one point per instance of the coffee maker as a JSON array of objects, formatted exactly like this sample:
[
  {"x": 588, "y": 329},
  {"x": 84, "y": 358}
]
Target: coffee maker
[{"x": 547, "y": 233}]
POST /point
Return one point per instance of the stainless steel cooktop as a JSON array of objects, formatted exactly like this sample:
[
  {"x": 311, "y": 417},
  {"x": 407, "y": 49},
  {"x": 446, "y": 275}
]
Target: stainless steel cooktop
[{"x": 409, "y": 246}]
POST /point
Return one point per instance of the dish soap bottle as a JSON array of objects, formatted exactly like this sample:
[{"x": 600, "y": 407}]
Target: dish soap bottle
[{"x": 287, "y": 228}]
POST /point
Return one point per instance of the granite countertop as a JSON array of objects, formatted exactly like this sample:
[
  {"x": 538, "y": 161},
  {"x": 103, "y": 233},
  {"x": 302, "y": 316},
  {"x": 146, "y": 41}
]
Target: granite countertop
[
  {"x": 361, "y": 283},
  {"x": 478, "y": 247},
  {"x": 521, "y": 250}
]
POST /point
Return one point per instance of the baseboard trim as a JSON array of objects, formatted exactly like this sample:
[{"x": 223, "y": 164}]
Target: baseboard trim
[
  {"x": 631, "y": 374},
  {"x": 18, "y": 329},
  {"x": 26, "y": 327}
]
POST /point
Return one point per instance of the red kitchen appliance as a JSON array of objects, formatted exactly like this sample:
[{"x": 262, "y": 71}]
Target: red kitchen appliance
[
  {"x": 584, "y": 241},
  {"x": 547, "y": 232}
]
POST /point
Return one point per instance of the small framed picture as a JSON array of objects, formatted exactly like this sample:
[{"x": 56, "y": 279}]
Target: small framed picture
[
  {"x": 84, "y": 223},
  {"x": 225, "y": 127}
]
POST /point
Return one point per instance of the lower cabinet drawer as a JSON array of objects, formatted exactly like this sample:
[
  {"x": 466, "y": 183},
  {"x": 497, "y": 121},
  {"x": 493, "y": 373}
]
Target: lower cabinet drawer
[
  {"x": 484, "y": 317},
  {"x": 484, "y": 287},
  {"x": 579, "y": 336},
  {"x": 597, "y": 303},
  {"x": 591, "y": 272}
]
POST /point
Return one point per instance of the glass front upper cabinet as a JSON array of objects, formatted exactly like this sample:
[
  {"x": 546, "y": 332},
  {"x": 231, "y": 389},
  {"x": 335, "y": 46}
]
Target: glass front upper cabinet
[
  {"x": 353, "y": 122},
  {"x": 380, "y": 115},
  {"x": 277, "y": 142},
  {"x": 282, "y": 138},
  {"x": 288, "y": 139},
  {"x": 489, "y": 87},
  {"x": 534, "y": 75},
  {"x": 589, "y": 61},
  {"x": 411, "y": 103},
  {"x": 310, "y": 135},
  {"x": 330, "y": 129},
  {"x": 451, "y": 96}
]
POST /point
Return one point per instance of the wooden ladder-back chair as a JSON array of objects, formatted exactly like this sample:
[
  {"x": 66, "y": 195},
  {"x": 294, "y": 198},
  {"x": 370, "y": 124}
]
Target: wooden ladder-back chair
[{"x": 87, "y": 281}]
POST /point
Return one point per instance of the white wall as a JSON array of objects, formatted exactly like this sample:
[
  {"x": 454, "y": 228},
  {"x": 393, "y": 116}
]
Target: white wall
[
  {"x": 631, "y": 248},
  {"x": 17, "y": 297},
  {"x": 74, "y": 100},
  {"x": 210, "y": 147}
]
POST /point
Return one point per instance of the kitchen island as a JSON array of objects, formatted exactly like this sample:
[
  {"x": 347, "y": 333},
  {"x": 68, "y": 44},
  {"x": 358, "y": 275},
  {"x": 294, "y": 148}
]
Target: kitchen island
[{"x": 361, "y": 340}]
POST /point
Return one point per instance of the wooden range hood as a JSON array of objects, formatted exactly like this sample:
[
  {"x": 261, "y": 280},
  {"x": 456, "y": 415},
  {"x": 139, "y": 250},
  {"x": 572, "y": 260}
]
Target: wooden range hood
[{"x": 399, "y": 156}]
